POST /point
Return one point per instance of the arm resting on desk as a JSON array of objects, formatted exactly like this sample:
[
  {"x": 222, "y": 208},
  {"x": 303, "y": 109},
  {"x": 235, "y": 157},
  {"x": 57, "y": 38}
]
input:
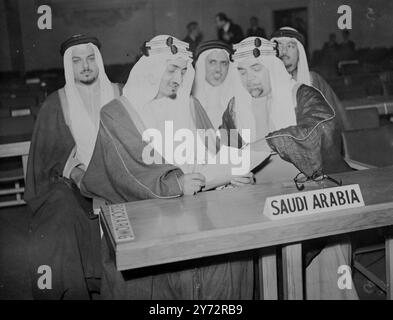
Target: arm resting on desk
[{"x": 313, "y": 144}]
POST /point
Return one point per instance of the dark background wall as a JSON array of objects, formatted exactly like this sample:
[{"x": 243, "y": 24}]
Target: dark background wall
[{"x": 122, "y": 25}]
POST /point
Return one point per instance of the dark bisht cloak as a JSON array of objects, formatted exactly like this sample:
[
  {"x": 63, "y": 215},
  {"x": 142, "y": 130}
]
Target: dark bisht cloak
[
  {"x": 341, "y": 115},
  {"x": 314, "y": 143},
  {"x": 63, "y": 233}
]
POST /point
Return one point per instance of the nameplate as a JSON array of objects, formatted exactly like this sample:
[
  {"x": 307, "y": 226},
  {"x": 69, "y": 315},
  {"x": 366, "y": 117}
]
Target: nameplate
[
  {"x": 315, "y": 201},
  {"x": 122, "y": 229},
  {"x": 20, "y": 112}
]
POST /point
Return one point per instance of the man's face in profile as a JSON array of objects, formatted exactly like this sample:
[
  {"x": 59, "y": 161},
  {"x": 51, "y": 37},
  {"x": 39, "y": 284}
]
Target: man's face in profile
[
  {"x": 217, "y": 64},
  {"x": 84, "y": 64},
  {"x": 289, "y": 54},
  {"x": 254, "y": 77},
  {"x": 172, "y": 78}
]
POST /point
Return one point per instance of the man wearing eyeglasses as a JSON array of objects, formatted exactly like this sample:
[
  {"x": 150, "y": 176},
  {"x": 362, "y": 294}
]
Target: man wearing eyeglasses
[
  {"x": 299, "y": 127},
  {"x": 294, "y": 120}
]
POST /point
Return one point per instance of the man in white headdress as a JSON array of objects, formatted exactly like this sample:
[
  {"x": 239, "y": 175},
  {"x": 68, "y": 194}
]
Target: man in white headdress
[
  {"x": 213, "y": 84},
  {"x": 63, "y": 235},
  {"x": 299, "y": 128},
  {"x": 289, "y": 110},
  {"x": 292, "y": 53},
  {"x": 156, "y": 94}
]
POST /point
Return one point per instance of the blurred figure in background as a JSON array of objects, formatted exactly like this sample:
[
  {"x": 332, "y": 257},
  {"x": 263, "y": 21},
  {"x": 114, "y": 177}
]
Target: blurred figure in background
[
  {"x": 255, "y": 30},
  {"x": 194, "y": 35},
  {"x": 228, "y": 31},
  {"x": 347, "y": 47},
  {"x": 330, "y": 56}
]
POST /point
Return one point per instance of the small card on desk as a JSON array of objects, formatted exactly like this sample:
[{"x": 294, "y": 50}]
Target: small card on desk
[
  {"x": 122, "y": 229},
  {"x": 315, "y": 201}
]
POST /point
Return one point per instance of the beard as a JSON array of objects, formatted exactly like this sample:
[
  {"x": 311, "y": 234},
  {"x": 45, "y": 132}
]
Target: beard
[
  {"x": 290, "y": 68},
  {"x": 89, "y": 81},
  {"x": 288, "y": 64},
  {"x": 172, "y": 96},
  {"x": 256, "y": 92}
]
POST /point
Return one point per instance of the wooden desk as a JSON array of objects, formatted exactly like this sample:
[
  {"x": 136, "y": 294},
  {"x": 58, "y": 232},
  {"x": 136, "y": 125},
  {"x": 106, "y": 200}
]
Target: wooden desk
[
  {"x": 384, "y": 105},
  {"x": 220, "y": 222}
]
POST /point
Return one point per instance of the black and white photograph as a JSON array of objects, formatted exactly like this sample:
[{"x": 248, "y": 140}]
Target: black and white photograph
[{"x": 210, "y": 151}]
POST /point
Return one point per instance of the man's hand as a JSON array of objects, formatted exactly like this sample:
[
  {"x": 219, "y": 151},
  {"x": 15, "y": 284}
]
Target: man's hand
[
  {"x": 76, "y": 175},
  {"x": 243, "y": 180},
  {"x": 192, "y": 183}
]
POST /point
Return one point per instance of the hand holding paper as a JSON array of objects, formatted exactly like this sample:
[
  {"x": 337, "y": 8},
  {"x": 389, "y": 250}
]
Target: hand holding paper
[{"x": 231, "y": 162}]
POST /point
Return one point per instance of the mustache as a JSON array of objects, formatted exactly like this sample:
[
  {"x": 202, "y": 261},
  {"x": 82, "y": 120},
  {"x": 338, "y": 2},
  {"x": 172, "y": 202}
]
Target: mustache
[
  {"x": 254, "y": 85},
  {"x": 174, "y": 85}
]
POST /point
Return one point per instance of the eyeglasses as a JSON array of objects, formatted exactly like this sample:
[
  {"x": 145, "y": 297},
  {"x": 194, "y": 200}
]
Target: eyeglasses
[{"x": 318, "y": 176}]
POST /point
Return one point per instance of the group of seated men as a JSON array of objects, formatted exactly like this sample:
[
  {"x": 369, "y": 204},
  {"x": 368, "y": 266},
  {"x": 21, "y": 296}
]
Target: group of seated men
[{"x": 89, "y": 142}]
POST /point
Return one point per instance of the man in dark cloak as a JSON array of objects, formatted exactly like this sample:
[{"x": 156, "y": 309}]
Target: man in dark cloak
[
  {"x": 300, "y": 129},
  {"x": 64, "y": 234},
  {"x": 158, "y": 90}
]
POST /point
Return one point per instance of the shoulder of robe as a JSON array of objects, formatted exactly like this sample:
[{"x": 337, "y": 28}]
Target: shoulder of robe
[
  {"x": 317, "y": 79},
  {"x": 303, "y": 91},
  {"x": 52, "y": 99},
  {"x": 112, "y": 109},
  {"x": 295, "y": 90},
  {"x": 308, "y": 95},
  {"x": 51, "y": 104},
  {"x": 115, "y": 112},
  {"x": 314, "y": 74},
  {"x": 327, "y": 91}
]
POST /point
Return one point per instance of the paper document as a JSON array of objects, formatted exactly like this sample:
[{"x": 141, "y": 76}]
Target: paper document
[{"x": 231, "y": 162}]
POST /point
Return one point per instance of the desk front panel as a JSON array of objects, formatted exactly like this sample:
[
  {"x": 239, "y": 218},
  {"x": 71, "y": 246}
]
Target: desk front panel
[{"x": 226, "y": 221}]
